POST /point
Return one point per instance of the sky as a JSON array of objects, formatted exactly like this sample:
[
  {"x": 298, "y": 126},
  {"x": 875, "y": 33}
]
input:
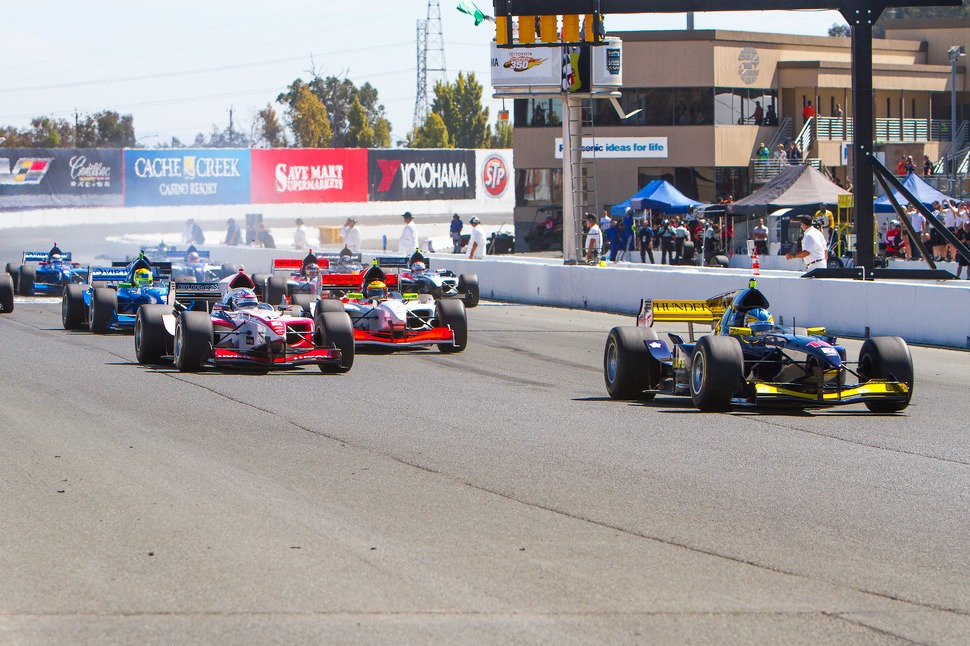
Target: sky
[{"x": 179, "y": 67}]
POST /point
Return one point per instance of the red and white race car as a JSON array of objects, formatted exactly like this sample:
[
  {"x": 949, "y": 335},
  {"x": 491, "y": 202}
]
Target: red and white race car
[{"x": 223, "y": 324}]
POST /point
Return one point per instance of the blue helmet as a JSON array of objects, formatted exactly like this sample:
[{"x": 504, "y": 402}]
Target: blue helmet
[{"x": 759, "y": 320}]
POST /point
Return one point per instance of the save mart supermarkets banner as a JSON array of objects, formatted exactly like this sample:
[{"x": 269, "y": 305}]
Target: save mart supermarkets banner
[
  {"x": 406, "y": 175},
  {"x": 182, "y": 177},
  {"x": 54, "y": 177},
  {"x": 309, "y": 175}
]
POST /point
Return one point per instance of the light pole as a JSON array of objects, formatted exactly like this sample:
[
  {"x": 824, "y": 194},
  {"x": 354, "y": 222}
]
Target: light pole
[{"x": 954, "y": 53}]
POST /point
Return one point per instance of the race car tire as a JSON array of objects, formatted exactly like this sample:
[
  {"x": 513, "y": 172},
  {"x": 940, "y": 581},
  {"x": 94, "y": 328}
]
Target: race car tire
[
  {"x": 303, "y": 302},
  {"x": 833, "y": 263},
  {"x": 228, "y": 269},
  {"x": 104, "y": 306},
  {"x": 716, "y": 372},
  {"x": 275, "y": 290},
  {"x": 626, "y": 363},
  {"x": 451, "y": 313},
  {"x": 687, "y": 258},
  {"x": 151, "y": 339},
  {"x": 99, "y": 283},
  {"x": 468, "y": 285},
  {"x": 14, "y": 271},
  {"x": 329, "y": 305},
  {"x": 886, "y": 357},
  {"x": 6, "y": 294},
  {"x": 260, "y": 281},
  {"x": 720, "y": 260},
  {"x": 335, "y": 329},
  {"x": 73, "y": 309},
  {"x": 193, "y": 341},
  {"x": 25, "y": 280}
]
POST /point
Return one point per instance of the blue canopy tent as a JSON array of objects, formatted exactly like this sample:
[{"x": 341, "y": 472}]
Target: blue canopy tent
[
  {"x": 925, "y": 193},
  {"x": 660, "y": 195}
]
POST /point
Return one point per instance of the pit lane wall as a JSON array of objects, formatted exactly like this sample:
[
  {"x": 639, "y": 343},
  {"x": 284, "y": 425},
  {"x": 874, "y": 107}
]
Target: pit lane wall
[{"x": 935, "y": 313}]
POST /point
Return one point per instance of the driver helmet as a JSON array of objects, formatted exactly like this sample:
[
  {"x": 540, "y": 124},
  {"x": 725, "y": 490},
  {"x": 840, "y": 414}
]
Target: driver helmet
[
  {"x": 192, "y": 257},
  {"x": 143, "y": 277},
  {"x": 376, "y": 290},
  {"x": 418, "y": 267},
  {"x": 55, "y": 259},
  {"x": 312, "y": 270},
  {"x": 759, "y": 320},
  {"x": 244, "y": 299}
]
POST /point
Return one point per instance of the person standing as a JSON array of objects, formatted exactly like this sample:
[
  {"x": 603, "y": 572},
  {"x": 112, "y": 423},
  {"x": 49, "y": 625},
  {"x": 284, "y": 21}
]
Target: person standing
[
  {"x": 233, "y": 233},
  {"x": 681, "y": 234},
  {"x": 645, "y": 236},
  {"x": 919, "y": 224},
  {"x": 594, "y": 239},
  {"x": 760, "y": 235},
  {"x": 807, "y": 112},
  {"x": 759, "y": 114},
  {"x": 351, "y": 235},
  {"x": 409, "y": 235},
  {"x": 476, "y": 241},
  {"x": 771, "y": 117},
  {"x": 299, "y": 236},
  {"x": 456, "y": 227},
  {"x": 666, "y": 235},
  {"x": 813, "y": 251},
  {"x": 188, "y": 233},
  {"x": 780, "y": 157},
  {"x": 827, "y": 220},
  {"x": 927, "y": 165},
  {"x": 838, "y": 111}
]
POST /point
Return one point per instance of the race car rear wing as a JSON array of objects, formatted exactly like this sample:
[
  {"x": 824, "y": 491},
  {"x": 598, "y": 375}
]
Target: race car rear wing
[
  {"x": 192, "y": 295},
  {"x": 159, "y": 269},
  {"x": 392, "y": 262},
  {"x": 41, "y": 256},
  {"x": 107, "y": 274},
  {"x": 334, "y": 257},
  {"x": 679, "y": 311}
]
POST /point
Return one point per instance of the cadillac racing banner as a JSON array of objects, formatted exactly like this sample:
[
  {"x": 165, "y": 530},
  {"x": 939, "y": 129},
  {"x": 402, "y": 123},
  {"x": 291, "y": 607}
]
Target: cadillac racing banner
[
  {"x": 309, "y": 175},
  {"x": 52, "y": 177},
  {"x": 179, "y": 177},
  {"x": 403, "y": 175}
]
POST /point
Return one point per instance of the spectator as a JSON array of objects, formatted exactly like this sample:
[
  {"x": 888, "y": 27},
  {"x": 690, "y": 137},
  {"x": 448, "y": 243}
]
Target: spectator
[
  {"x": 909, "y": 167},
  {"x": 808, "y": 112},
  {"x": 763, "y": 152},
  {"x": 918, "y": 223},
  {"x": 813, "y": 251},
  {"x": 727, "y": 235},
  {"x": 192, "y": 234},
  {"x": 838, "y": 111},
  {"x": 594, "y": 239},
  {"x": 794, "y": 152},
  {"x": 351, "y": 235},
  {"x": 901, "y": 166},
  {"x": 760, "y": 237},
  {"x": 963, "y": 235},
  {"x": 927, "y": 165},
  {"x": 605, "y": 224},
  {"x": 645, "y": 238},
  {"x": 780, "y": 157},
  {"x": 264, "y": 238},
  {"x": 233, "y": 233},
  {"x": 666, "y": 235},
  {"x": 611, "y": 239},
  {"x": 826, "y": 220},
  {"x": 299, "y": 236},
  {"x": 680, "y": 237},
  {"x": 624, "y": 241},
  {"x": 937, "y": 241},
  {"x": 771, "y": 118},
  {"x": 476, "y": 242},
  {"x": 456, "y": 227},
  {"x": 894, "y": 240},
  {"x": 409, "y": 235},
  {"x": 759, "y": 114}
]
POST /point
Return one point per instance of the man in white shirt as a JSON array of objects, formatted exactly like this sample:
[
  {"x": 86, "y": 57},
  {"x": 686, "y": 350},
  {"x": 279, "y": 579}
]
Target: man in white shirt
[
  {"x": 594, "y": 239},
  {"x": 813, "y": 250},
  {"x": 351, "y": 235},
  {"x": 918, "y": 221},
  {"x": 299, "y": 236},
  {"x": 409, "y": 236},
  {"x": 476, "y": 242}
]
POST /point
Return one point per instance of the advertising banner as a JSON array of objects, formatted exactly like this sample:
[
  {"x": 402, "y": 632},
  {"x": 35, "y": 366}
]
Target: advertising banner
[
  {"x": 495, "y": 175},
  {"x": 620, "y": 147},
  {"x": 526, "y": 66},
  {"x": 52, "y": 177},
  {"x": 309, "y": 175},
  {"x": 181, "y": 177},
  {"x": 421, "y": 175}
]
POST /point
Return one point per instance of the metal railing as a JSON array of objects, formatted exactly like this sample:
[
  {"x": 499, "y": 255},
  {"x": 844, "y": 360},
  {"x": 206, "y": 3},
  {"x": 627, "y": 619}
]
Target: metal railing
[
  {"x": 888, "y": 130},
  {"x": 763, "y": 170}
]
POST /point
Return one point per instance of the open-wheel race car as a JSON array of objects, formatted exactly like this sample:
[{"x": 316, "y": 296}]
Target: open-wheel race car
[
  {"x": 111, "y": 297},
  {"x": 223, "y": 324},
  {"x": 300, "y": 281},
  {"x": 190, "y": 264},
  {"x": 389, "y": 319},
  {"x": 415, "y": 276},
  {"x": 748, "y": 360},
  {"x": 45, "y": 273}
]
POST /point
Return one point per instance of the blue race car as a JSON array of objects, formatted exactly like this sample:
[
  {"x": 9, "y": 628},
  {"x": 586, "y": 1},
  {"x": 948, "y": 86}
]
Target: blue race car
[
  {"x": 111, "y": 299},
  {"x": 747, "y": 360},
  {"x": 45, "y": 272},
  {"x": 190, "y": 264}
]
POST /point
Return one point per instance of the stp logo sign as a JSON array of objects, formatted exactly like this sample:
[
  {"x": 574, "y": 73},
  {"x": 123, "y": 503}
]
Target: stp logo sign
[{"x": 495, "y": 175}]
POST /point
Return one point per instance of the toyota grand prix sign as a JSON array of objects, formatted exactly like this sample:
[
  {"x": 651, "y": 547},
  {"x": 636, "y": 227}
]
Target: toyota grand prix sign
[{"x": 403, "y": 175}]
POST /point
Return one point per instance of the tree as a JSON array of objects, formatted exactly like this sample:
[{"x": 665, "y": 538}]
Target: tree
[
  {"x": 432, "y": 134},
  {"x": 308, "y": 119},
  {"x": 267, "y": 130},
  {"x": 459, "y": 105},
  {"x": 338, "y": 96},
  {"x": 359, "y": 134},
  {"x": 839, "y": 30},
  {"x": 503, "y": 135}
]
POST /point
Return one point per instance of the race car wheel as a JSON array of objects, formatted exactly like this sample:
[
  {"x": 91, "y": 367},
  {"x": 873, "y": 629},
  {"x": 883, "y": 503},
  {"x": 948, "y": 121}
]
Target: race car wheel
[
  {"x": 687, "y": 258},
  {"x": 275, "y": 290},
  {"x": 451, "y": 313},
  {"x": 104, "y": 306},
  {"x": 99, "y": 283},
  {"x": 716, "y": 372},
  {"x": 304, "y": 302},
  {"x": 626, "y": 366},
  {"x": 25, "y": 280},
  {"x": 329, "y": 305},
  {"x": 228, "y": 269},
  {"x": 151, "y": 338},
  {"x": 73, "y": 313},
  {"x": 886, "y": 357},
  {"x": 260, "y": 281},
  {"x": 14, "y": 271},
  {"x": 193, "y": 341},
  {"x": 335, "y": 329},
  {"x": 6, "y": 294},
  {"x": 468, "y": 285}
]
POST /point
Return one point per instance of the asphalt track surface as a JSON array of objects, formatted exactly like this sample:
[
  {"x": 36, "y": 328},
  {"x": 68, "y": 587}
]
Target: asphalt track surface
[{"x": 494, "y": 496}]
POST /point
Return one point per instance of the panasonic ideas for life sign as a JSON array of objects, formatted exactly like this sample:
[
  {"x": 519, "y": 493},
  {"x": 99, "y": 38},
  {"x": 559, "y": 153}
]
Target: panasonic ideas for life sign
[
  {"x": 186, "y": 176},
  {"x": 421, "y": 175},
  {"x": 620, "y": 147}
]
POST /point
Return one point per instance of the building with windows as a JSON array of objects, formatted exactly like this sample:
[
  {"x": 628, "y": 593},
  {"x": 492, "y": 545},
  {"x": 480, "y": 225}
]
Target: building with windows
[{"x": 699, "y": 92}]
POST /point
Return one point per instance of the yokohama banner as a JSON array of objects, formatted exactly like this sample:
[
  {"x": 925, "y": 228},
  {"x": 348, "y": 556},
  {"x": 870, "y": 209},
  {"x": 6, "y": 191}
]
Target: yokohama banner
[
  {"x": 46, "y": 177},
  {"x": 181, "y": 177},
  {"x": 403, "y": 175},
  {"x": 309, "y": 175}
]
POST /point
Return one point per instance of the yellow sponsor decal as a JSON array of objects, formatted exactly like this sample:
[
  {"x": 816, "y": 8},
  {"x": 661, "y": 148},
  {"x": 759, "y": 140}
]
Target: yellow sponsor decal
[{"x": 686, "y": 311}]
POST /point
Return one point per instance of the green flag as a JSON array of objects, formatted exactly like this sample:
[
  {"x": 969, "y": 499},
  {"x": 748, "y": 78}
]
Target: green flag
[{"x": 467, "y": 6}]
